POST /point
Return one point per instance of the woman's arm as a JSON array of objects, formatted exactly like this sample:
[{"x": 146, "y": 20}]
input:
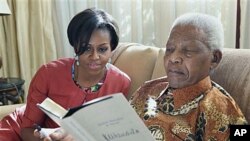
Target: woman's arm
[{"x": 32, "y": 114}]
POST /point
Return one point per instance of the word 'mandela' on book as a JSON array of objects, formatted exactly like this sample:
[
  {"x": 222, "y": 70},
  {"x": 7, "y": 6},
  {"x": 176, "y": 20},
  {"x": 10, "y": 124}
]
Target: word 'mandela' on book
[
  {"x": 239, "y": 132},
  {"x": 114, "y": 136}
]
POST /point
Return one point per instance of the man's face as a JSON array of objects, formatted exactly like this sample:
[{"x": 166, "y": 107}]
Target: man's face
[{"x": 187, "y": 58}]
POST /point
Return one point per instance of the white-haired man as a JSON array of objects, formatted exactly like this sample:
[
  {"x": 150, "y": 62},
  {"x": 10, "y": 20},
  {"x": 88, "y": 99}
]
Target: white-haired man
[{"x": 186, "y": 104}]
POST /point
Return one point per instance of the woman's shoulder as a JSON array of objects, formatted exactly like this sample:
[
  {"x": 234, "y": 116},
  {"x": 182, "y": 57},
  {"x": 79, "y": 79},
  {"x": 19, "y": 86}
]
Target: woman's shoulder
[
  {"x": 56, "y": 66},
  {"x": 61, "y": 62},
  {"x": 116, "y": 72}
]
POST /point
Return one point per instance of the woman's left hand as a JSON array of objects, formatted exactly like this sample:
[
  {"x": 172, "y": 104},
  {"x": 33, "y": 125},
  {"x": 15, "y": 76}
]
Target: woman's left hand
[{"x": 58, "y": 135}]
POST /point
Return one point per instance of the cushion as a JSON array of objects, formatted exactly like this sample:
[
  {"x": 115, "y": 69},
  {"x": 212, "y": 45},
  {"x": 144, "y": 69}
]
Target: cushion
[
  {"x": 159, "y": 69},
  {"x": 233, "y": 74},
  {"x": 137, "y": 61}
]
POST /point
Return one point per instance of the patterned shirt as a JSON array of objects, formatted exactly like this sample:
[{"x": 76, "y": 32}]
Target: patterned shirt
[{"x": 200, "y": 112}]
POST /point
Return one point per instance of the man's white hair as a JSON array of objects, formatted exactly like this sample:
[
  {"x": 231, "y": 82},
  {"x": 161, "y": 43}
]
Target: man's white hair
[{"x": 210, "y": 25}]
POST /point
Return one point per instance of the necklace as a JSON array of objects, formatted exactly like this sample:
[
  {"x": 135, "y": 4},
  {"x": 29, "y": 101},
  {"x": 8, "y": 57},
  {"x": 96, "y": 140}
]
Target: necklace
[
  {"x": 165, "y": 104},
  {"x": 93, "y": 88}
]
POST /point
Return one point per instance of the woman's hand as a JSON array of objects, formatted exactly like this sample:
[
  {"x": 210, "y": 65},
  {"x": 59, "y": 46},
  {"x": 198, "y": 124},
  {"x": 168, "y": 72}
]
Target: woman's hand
[{"x": 58, "y": 135}]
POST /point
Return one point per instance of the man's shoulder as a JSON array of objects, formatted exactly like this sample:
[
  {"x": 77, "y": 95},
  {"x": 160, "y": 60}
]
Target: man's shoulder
[
  {"x": 154, "y": 86},
  {"x": 220, "y": 102}
]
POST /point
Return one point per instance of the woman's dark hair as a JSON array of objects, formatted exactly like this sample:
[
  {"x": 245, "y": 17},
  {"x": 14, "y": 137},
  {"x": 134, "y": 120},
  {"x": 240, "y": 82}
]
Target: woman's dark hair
[{"x": 85, "y": 23}]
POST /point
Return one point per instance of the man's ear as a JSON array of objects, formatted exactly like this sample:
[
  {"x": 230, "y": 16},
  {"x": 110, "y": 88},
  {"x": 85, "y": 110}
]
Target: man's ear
[{"x": 216, "y": 58}]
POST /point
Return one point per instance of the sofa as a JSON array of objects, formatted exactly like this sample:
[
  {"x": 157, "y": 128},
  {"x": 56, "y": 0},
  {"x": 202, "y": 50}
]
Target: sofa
[{"x": 143, "y": 63}]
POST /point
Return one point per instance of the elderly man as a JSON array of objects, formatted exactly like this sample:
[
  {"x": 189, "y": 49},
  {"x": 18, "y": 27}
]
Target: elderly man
[{"x": 186, "y": 104}]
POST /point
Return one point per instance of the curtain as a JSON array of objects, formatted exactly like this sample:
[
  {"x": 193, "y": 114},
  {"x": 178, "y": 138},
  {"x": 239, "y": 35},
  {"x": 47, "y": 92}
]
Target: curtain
[
  {"x": 36, "y": 31},
  {"x": 27, "y": 38},
  {"x": 245, "y": 27},
  {"x": 147, "y": 21}
]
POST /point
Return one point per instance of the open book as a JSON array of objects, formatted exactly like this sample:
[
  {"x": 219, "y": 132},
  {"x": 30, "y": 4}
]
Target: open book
[{"x": 108, "y": 118}]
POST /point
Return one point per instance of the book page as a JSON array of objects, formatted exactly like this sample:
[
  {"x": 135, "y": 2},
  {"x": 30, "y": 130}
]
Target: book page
[{"x": 112, "y": 119}]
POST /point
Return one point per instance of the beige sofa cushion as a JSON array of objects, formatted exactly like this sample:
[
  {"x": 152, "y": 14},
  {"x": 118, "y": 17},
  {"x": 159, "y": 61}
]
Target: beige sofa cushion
[
  {"x": 137, "y": 61},
  {"x": 159, "y": 69},
  {"x": 5, "y": 110},
  {"x": 233, "y": 74}
]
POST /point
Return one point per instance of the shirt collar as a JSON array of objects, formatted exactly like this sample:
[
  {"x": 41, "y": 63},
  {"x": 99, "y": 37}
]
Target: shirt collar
[{"x": 184, "y": 95}]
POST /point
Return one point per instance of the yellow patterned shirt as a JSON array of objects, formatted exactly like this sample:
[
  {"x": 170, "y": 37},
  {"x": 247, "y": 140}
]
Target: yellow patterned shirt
[{"x": 200, "y": 112}]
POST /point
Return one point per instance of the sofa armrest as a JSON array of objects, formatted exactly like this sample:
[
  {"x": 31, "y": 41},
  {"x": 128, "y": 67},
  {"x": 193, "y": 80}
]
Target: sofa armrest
[{"x": 6, "y": 109}]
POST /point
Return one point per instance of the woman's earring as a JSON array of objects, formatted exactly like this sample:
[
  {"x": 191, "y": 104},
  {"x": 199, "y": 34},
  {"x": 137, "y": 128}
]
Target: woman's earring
[
  {"x": 110, "y": 61},
  {"x": 77, "y": 60}
]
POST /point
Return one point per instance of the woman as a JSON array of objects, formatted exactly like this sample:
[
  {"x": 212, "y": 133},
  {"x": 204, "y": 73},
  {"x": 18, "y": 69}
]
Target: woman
[
  {"x": 70, "y": 82},
  {"x": 186, "y": 104}
]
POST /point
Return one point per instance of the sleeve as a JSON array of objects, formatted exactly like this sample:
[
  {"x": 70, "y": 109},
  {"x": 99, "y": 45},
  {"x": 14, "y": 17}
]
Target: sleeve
[
  {"x": 116, "y": 75},
  {"x": 126, "y": 86},
  {"x": 37, "y": 93}
]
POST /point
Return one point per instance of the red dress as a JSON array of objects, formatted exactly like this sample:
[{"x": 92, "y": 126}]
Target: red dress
[{"x": 54, "y": 80}]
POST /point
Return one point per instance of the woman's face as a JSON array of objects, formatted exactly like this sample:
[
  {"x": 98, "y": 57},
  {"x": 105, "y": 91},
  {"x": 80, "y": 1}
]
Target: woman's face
[
  {"x": 97, "y": 54},
  {"x": 187, "y": 58}
]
